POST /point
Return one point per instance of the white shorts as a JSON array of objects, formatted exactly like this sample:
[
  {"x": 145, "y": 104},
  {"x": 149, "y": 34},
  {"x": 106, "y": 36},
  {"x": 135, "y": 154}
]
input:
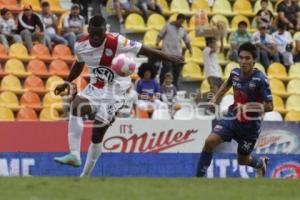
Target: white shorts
[{"x": 103, "y": 107}]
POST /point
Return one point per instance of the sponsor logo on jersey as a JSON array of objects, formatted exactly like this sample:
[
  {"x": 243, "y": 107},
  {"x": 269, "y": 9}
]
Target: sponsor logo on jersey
[
  {"x": 132, "y": 43},
  {"x": 108, "y": 52},
  {"x": 252, "y": 85},
  {"x": 218, "y": 127},
  {"x": 104, "y": 74},
  {"x": 287, "y": 170}
]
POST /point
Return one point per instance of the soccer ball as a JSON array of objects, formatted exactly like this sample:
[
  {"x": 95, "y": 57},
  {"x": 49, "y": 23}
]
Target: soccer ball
[{"x": 123, "y": 65}]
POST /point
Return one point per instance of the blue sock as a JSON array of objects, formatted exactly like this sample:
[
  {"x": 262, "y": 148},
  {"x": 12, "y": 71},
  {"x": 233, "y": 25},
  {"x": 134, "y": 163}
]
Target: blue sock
[
  {"x": 256, "y": 163},
  {"x": 204, "y": 163}
]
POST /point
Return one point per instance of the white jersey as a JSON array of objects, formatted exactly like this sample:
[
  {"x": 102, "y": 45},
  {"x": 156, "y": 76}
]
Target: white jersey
[{"x": 114, "y": 86}]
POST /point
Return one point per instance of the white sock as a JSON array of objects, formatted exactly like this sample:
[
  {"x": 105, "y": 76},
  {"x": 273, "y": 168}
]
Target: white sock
[
  {"x": 93, "y": 154},
  {"x": 74, "y": 135}
]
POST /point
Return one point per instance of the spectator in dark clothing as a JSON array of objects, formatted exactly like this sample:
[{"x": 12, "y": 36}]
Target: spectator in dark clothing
[
  {"x": 264, "y": 16},
  {"x": 289, "y": 13},
  {"x": 30, "y": 27},
  {"x": 84, "y": 5}
]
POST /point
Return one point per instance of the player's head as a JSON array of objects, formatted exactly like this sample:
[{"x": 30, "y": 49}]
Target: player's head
[
  {"x": 180, "y": 19},
  {"x": 97, "y": 29},
  {"x": 242, "y": 27},
  {"x": 247, "y": 55}
]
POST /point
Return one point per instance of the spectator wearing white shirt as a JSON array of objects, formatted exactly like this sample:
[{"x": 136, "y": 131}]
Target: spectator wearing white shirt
[
  {"x": 266, "y": 46},
  {"x": 284, "y": 40},
  {"x": 8, "y": 29},
  {"x": 73, "y": 26},
  {"x": 50, "y": 22}
]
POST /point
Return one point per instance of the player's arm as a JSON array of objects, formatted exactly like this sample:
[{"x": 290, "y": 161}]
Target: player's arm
[{"x": 221, "y": 92}]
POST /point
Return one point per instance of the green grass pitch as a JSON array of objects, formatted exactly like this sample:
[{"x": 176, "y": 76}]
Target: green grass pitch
[{"x": 147, "y": 189}]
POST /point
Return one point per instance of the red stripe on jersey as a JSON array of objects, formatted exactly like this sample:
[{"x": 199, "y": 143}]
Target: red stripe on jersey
[
  {"x": 109, "y": 50},
  {"x": 84, "y": 38}
]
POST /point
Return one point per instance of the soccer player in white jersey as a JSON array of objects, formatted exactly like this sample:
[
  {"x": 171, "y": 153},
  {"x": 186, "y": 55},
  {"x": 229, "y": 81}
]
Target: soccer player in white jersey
[{"x": 105, "y": 94}]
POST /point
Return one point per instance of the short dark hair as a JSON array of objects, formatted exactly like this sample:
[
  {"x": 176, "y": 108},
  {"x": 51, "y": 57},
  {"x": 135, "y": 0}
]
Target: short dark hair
[
  {"x": 209, "y": 40},
  {"x": 249, "y": 47},
  {"x": 181, "y": 16},
  {"x": 281, "y": 25},
  {"x": 45, "y": 4},
  {"x": 242, "y": 23},
  {"x": 97, "y": 21},
  {"x": 266, "y": 1},
  {"x": 147, "y": 67},
  {"x": 4, "y": 11}
]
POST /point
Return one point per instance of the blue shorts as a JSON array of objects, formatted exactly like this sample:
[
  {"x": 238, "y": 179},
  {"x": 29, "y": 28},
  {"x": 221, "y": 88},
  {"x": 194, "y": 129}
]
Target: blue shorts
[{"x": 245, "y": 134}]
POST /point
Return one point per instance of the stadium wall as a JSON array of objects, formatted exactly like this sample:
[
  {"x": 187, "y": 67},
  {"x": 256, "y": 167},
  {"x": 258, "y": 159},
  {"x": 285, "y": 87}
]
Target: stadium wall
[{"x": 144, "y": 148}]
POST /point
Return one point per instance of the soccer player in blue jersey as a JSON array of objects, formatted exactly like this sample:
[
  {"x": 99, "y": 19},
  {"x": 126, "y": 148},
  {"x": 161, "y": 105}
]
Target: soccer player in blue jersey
[{"x": 252, "y": 97}]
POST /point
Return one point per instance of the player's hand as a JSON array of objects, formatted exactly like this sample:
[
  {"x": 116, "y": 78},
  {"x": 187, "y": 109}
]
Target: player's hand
[
  {"x": 210, "y": 108},
  {"x": 61, "y": 88}
]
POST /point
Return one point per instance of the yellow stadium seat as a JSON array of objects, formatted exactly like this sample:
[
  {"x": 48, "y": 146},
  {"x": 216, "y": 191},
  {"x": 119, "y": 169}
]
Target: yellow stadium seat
[
  {"x": 180, "y": 6},
  {"x": 135, "y": 23},
  {"x": 165, "y": 7},
  {"x": 222, "y": 7},
  {"x": 237, "y": 19},
  {"x": 197, "y": 56},
  {"x": 192, "y": 72},
  {"x": 257, "y": 6},
  {"x": 293, "y": 86},
  {"x": 294, "y": 71},
  {"x": 243, "y": 7},
  {"x": 52, "y": 82},
  {"x": 201, "y": 4},
  {"x": 49, "y": 114},
  {"x": 12, "y": 83},
  {"x": 293, "y": 103},
  {"x": 56, "y": 7},
  {"x": 292, "y": 116},
  {"x": 19, "y": 51},
  {"x": 34, "y": 3},
  {"x": 278, "y": 88},
  {"x": 229, "y": 67},
  {"x": 60, "y": 21},
  {"x": 221, "y": 58},
  {"x": 197, "y": 41},
  {"x": 150, "y": 39},
  {"x": 277, "y": 70},
  {"x": 296, "y": 35},
  {"x": 192, "y": 22},
  {"x": 15, "y": 67},
  {"x": 6, "y": 114},
  {"x": 278, "y": 104},
  {"x": 204, "y": 87},
  {"x": 156, "y": 21},
  {"x": 10, "y": 100},
  {"x": 52, "y": 101},
  {"x": 173, "y": 18},
  {"x": 219, "y": 18},
  {"x": 260, "y": 67}
]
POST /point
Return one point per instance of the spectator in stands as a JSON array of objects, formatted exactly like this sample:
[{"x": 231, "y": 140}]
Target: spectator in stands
[
  {"x": 8, "y": 29},
  {"x": 50, "y": 22},
  {"x": 172, "y": 35},
  {"x": 264, "y": 16},
  {"x": 266, "y": 46},
  {"x": 146, "y": 5},
  {"x": 84, "y": 8},
  {"x": 283, "y": 40},
  {"x": 238, "y": 38},
  {"x": 30, "y": 27},
  {"x": 131, "y": 99},
  {"x": 148, "y": 89},
  {"x": 128, "y": 6},
  {"x": 297, "y": 49},
  {"x": 73, "y": 26},
  {"x": 289, "y": 13},
  {"x": 169, "y": 94},
  {"x": 211, "y": 70}
]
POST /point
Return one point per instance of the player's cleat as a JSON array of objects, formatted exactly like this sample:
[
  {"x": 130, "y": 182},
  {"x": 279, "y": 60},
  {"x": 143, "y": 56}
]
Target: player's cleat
[
  {"x": 261, "y": 172},
  {"x": 68, "y": 159}
]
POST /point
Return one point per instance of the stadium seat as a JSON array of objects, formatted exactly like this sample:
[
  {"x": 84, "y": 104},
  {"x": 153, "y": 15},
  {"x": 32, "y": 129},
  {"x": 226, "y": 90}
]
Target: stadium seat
[
  {"x": 63, "y": 52},
  {"x": 197, "y": 56},
  {"x": 278, "y": 88},
  {"x": 201, "y": 4},
  {"x": 52, "y": 101},
  {"x": 60, "y": 22},
  {"x": 196, "y": 41},
  {"x": 226, "y": 101},
  {"x": 27, "y": 114},
  {"x": 38, "y": 68},
  {"x": 273, "y": 116},
  {"x": 156, "y": 22},
  {"x": 6, "y": 114},
  {"x": 150, "y": 38},
  {"x": 2, "y": 73},
  {"x": 141, "y": 114},
  {"x": 34, "y": 84},
  {"x": 219, "y": 18},
  {"x": 52, "y": 82},
  {"x": 10, "y": 100},
  {"x": 293, "y": 87},
  {"x": 15, "y": 67},
  {"x": 12, "y": 83},
  {"x": 260, "y": 67},
  {"x": 11, "y": 5},
  {"x": 19, "y": 51},
  {"x": 165, "y": 7},
  {"x": 185, "y": 113},
  {"x": 229, "y": 67},
  {"x": 221, "y": 58},
  {"x": 222, "y": 7},
  {"x": 34, "y": 3},
  {"x": 204, "y": 87},
  {"x": 293, "y": 103},
  {"x": 278, "y": 104},
  {"x": 161, "y": 114},
  {"x": 3, "y": 54},
  {"x": 135, "y": 23},
  {"x": 257, "y": 6},
  {"x": 292, "y": 116},
  {"x": 236, "y": 20},
  {"x": 56, "y": 7},
  {"x": 173, "y": 18},
  {"x": 192, "y": 72},
  {"x": 294, "y": 71},
  {"x": 49, "y": 114},
  {"x": 277, "y": 70},
  {"x": 243, "y": 7},
  {"x": 59, "y": 68},
  {"x": 180, "y": 6},
  {"x": 31, "y": 100},
  {"x": 81, "y": 83},
  {"x": 41, "y": 52}
]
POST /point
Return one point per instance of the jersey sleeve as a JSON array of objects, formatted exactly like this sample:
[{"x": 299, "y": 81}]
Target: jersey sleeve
[
  {"x": 77, "y": 53},
  {"x": 128, "y": 46},
  {"x": 265, "y": 90},
  {"x": 229, "y": 80}
]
